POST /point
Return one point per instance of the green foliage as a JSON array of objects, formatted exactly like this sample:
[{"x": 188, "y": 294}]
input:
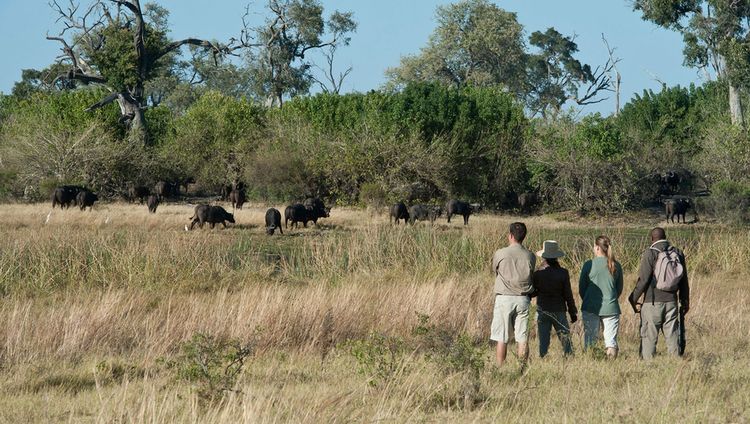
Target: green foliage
[
  {"x": 466, "y": 142},
  {"x": 117, "y": 60},
  {"x": 454, "y": 354},
  {"x": 212, "y": 137},
  {"x": 279, "y": 67},
  {"x": 211, "y": 364},
  {"x": 554, "y": 75},
  {"x": 50, "y": 137},
  {"x": 730, "y": 200},
  {"x": 475, "y": 42},
  {"x": 379, "y": 357}
]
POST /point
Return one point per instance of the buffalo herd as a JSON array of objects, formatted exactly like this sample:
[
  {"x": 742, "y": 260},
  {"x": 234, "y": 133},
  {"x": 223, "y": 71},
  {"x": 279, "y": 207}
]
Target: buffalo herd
[{"x": 313, "y": 209}]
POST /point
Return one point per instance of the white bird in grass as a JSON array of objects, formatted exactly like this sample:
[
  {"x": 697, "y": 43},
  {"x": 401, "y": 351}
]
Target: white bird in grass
[
  {"x": 106, "y": 221},
  {"x": 46, "y": 221},
  {"x": 186, "y": 228}
]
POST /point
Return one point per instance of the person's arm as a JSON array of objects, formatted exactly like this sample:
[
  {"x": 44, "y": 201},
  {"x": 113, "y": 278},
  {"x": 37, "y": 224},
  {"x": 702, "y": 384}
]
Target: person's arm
[
  {"x": 568, "y": 296},
  {"x": 683, "y": 290},
  {"x": 644, "y": 277},
  {"x": 618, "y": 279},
  {"x": 534, "y": 279},
  {"x": 584, "y": 281}
]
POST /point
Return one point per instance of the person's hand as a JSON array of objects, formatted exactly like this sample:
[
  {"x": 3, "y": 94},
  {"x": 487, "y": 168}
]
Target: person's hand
[{"x": 573, "y": 318}]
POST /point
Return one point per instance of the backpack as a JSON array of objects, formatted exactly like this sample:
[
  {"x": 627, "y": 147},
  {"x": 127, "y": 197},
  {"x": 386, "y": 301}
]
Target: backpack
[{"x": 668, "y": 269}]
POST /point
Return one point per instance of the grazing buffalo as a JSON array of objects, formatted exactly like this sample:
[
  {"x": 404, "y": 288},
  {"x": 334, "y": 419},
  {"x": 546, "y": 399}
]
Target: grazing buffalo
[
  {"x": 153, "y": 203},
  {"x": 297, "y": 213},
  {"x": 273, "y": 221},
  {"x": 65, "y": 195},
  {"x": 224, "y": 193},
  {"x": 185, "y": 182},
  {"x": 86, "y": 199},
  {"x": 399, "y": 211},
  {"x": 424, "y": 213},
  {"x": 677, "y": 207},
  {"x": 527, "y": 201},
  {"x": 211, "y": 214},
  {"x": 237, "y": 197},
  {"x": 138, "y": 192},
  {"x": 316, "y": 209},
  {"x": 457, "y": 207},
  {"x": 166, "y": 189}
]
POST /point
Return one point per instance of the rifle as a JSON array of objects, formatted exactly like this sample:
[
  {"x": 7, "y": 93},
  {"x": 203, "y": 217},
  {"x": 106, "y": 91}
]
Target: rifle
[{"x": 681, "y": 329}]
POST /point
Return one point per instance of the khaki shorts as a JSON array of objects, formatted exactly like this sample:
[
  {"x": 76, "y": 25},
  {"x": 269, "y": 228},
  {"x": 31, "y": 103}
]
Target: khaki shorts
[{"x": 510, "y": 317}]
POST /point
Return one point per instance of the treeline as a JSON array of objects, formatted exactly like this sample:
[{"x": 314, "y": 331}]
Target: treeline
[{"x": 424, "y": 142}]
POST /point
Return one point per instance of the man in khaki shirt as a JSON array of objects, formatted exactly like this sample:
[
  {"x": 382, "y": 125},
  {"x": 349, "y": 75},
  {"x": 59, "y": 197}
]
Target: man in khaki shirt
[{"x": 513, "y": 267}]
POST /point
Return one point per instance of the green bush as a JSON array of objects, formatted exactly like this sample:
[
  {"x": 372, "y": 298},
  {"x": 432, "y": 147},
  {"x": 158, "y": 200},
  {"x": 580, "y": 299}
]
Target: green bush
[{"x": 211, "y": 363}]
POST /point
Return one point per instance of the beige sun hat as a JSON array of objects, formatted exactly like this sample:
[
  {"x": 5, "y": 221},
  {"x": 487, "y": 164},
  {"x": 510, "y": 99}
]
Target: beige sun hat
[{"x": 551, "y": 250}]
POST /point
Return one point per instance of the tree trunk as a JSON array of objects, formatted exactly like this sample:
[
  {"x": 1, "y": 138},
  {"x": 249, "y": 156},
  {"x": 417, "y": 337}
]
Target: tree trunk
[
  {"x": 133, "y": 116},
  {"x": 735, "y": 106}
]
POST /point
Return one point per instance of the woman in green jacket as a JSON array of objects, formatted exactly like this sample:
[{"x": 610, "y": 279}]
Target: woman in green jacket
[{"x": 600, "y": 286}]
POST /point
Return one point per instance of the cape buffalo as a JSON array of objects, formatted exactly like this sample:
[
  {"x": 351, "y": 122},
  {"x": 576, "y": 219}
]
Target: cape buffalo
[
  {"x": 211, "y": 214},
  {"x": 399, "y": 211},
  {"x": 237, "y": 197},
  {"x": 316, "y": 209},
  {"x": 65, "y": 195},
  {"x": 153, "y": 203},
  {"x": 527, "y": 201},
  {"x": 424, "y": 213},
  {"x": 166, "y": 189},
  {"x": 676, "y": 207},
  {"x": 297, "y": 213},
  {"x": 138, "y": 192},
  {"x": 457, "y": 207},
  {"x": 86, "y": 199},
  {"x": 273, "y": 221}
]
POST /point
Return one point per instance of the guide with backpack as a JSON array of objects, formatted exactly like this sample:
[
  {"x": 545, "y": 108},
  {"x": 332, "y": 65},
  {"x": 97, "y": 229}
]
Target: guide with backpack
[{"x": 662, "y": 296}]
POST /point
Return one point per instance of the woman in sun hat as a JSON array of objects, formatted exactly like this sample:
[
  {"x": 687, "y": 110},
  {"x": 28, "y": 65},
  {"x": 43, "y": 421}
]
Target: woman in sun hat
[{"x": 554, "y": 298}]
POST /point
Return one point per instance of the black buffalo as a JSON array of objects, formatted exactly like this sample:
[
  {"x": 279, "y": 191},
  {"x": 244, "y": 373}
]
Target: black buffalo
[
  {"x": 237, "y": 197},
  {"x": 316, "y": 209},
  {"x": 273, "y": 221},
  {"x": 424, "y": 213},
  {"x": 85, "y": 199},
  {"x": 153, "y": 203},
  {"x": 297, "y": 213},
  {"x": 211, "y": 214},
  {"x": 65, "y": 195},
  {"x": 138, "y": 192},
  {"x": 399, "y": 211},
  {"x": 457, "y": 207},
  {"x": 676, "y": 207},
  {"x": 185, "y": 182},
  {"x": 527, "y": 201},
  {"x": 166, "y": 189}
]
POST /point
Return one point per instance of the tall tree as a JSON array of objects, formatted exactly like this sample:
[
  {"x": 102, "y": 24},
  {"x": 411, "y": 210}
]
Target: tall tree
[
  {"x": 120, "y": 45},
  {"x": 555, "y": 76},
  {"x": 716, "y": 35},
  {"x": 279, "y": 49},
  {"x": 477, "y": 43}
]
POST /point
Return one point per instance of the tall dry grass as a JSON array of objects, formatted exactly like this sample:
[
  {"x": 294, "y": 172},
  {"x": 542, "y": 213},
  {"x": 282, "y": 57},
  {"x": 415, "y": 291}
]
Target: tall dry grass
[{"x": 120, "y": 286}]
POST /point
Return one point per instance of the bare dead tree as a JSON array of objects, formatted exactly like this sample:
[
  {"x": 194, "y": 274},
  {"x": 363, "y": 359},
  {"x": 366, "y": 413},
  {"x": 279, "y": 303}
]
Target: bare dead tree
[
  {"x": 333, "y": 82},
  {"x": 617, "y": 78},
  {"x": 80, "y": 33}
]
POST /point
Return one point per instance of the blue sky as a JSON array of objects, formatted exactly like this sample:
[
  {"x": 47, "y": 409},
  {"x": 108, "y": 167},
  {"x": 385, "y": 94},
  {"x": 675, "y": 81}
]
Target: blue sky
[{"x": 389, "y": 29}]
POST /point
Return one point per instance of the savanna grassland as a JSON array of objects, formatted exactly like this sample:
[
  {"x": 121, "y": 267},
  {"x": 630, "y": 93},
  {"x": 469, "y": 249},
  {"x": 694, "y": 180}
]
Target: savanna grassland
[{"x": 116, "y": 315}]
